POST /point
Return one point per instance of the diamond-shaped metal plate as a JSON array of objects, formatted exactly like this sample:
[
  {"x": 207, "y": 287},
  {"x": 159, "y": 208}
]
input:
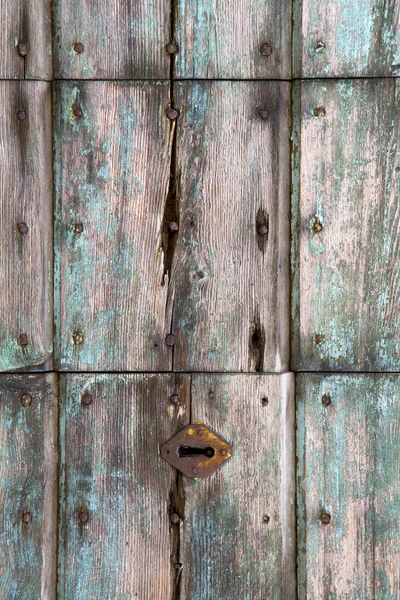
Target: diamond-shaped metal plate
[{"x": 196, "y": 451}]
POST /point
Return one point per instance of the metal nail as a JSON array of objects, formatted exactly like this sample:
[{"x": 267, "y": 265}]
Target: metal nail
[
  {"x": 319, "y": 47},
  {"x": 174, "y": 399},
  {"x": 170, "y": 340},
  {"x": 266, "y": 519},
  {"x": 171, "y": 48},
  {"x": 78, "y": 227},
  {"x": 87, "y": 399},
  {"x": 326, "y": 399},
  {"x": 77, "y": 112},
  {"x": 84, "y": 516},
  {"x": 23, "y": 228},
  {"x": 26, "y": 399},
  {"x": 27, "y": 517},
  {"x": 23, "y": 339},
  {"x": 200, "y": 432},
  {"x": 79, "y": 47},
  {"x": 325, "y": 518},
  {"x": 77, "y": 338},
  {"x": 317, "y": 225},
  {"x": 319, "y": 338},
  {"x": 21, "y": 114},
  {"x": 319, "y": 111},
  {"x": 264, "y": 113},
  {"x": 172, "y": 113},
  {"x": 174, "y": 518},
  {"x": 265, "y": 49},
  {"x": 223, "y": 453},
  {"x": 173, "y": 226},
  {"x": 22, "y": 49},
  {"x": 263, "y": 230}
]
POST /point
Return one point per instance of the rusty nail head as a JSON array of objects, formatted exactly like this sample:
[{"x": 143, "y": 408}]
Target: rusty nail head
[
  {"x": 266, "y": 49},
  {"x": 319, "y": 338},
  {"x": 23, "y": 228},
  {"x": 319, "y": 47},
  {"x": 21, "y": 114},
  {"x": 174, "y": 518},
  {"x": 84, "y": 516},
  {"x": 27, "y": 517},
  {"x": 26, "y": 399},
  {"x": 22, "y": 49},
  {"x": 317, "y": 225},
  {"x": 173, "y": 226},
  {"x": 171, "y": 48},
  {"x": 174, "y": 399},
  {"x": 23, "y": 339},
  {"x": 78, "y": 227},
  {"x": 87, "y": 399},
  {"x": 326, "y": 399},
  {"x": 266, "y": 519},
  {"x": 325, "y": 518},
  {"x": 263, "y": 230},
  {"x": 319, "y": 111},
  {"x": 77, "y": 112},
  {"x": 78, "y": 338},
  {"x": 78, "y": 47},
  {"x": 172, "y": 113},
  {"x": 170, "y": 340},
  {"x": 264, "y": 113}
]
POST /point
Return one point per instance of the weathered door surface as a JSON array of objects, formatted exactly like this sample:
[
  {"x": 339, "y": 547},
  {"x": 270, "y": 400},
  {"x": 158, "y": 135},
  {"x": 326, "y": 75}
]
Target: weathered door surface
[{"x": 192, "y": 235}]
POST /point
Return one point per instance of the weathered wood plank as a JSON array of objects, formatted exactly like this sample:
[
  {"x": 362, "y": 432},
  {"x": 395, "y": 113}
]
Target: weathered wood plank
[
  {"x": 26, "y": 223},
  {"x": 112, "y": 177},
  {"x": 230, "y": 282},
  {"x": 26, "y": 40},
  {"x": 112, "y": 39},
  {"x": 346, "y": 38},
  {"x": 238, "y": 535},
  {"x": 28, "y": 484},
  {"x": 348, "y": 468},
  {"x": 224, "y": 40},
  {"x": 114, "y": 473},
  {"x": 346, "y": 226}
]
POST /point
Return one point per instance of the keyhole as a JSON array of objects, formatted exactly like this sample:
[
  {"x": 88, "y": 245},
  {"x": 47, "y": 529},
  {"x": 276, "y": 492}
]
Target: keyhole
[{"x": 188, "y": 451}]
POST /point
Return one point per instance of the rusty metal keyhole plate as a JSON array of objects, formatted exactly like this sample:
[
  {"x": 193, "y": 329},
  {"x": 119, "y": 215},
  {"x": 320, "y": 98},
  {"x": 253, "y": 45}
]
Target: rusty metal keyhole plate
[{"x": 196, "y": 451}]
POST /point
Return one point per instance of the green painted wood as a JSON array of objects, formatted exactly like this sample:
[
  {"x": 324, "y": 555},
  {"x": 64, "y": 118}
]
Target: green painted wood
[
  {"x": 117, "y": 39},
  {"x": 346, "y": 273},
  {"x": 238, "y": 535},
  {"x": 112, "y": 469},
  {"x": 348, "y": 467},
  {"x": 230, "y": 284},
  {"x": 222, "y": 40},
  {"x": 30, "y": 24},
  {"x": 346, "y": 38},
  {"x": 28, "y": 484},
  {"x": 112, "y": 169},
  {"x": 26, "y": 259}
]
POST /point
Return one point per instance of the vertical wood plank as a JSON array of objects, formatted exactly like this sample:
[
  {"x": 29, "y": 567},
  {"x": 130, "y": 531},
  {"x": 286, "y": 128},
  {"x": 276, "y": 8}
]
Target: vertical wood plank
[
  {"x": 112, "y": 178},
  {"x": 28, "y": 23},
  {"x": 28, "y": 484},
  {"x": 238, "y": 536},
  {"x": 346, "y": 38},
  {"x": 224, "y": 40},
  {"x": 346, "y": 227},
  {"x": 26, "y": 223},
  {"x": 349, "y": 468},
  {"x": 231, "y": 282},
  {"x": 112, "y": 39},
  {"x": 114, "y": 473}
]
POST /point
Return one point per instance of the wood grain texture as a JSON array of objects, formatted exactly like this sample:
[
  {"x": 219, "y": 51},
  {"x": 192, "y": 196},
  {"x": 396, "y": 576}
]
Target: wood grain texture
[
  {"x": 222, "y": 40},
  {"x": 112, "y": 177},
  {"x": 229, "y": 283},
  {"x": 113, "y": 470},
  {"x": 346, "y": 276},
  {"x": 28, "y": 22},
  {"x": 26, "y": 259},
  {"x": 361, "y": 38},
  {"x": 238, "y": 535},
  {"x": 121, "y": 39},
  {"x": 28, "y": 484},
  {"x": 349, "y": 467}
]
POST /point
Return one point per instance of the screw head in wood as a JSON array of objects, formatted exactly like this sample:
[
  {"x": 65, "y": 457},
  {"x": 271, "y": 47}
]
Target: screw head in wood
[
  {"x": 26, "y": 399},
  {"x": 77, "y": 338},
  {"x": 173, "y": 226},
  {"x": 326, "y": 399},
  {"x": 174, "y": 518},
  {"x": 317, "y": 225},
  {"x": 325, "y": 518},
  {"x": 265, "y": 49},
  {"x": 86, "y": 399},
  {"x": 23, "y": 228},
  {"x": 79, "y": 47},
  {"x": 319, "y": 111},
  {"x": 171, "y": 48},
  {"x": 23, "y": 339},
  {"x": 174, "y": 399},
  {"x": 172, "y": 113},
  {"x": 21, "y": 114},
  {"x": 319, "y": 47},
  {"x": 77, "y": 112},
  {"x": 264, "y": 113},
  {"x": 170, "y": 340},
  {"x": 263, "y": 230},
  {"x": 78, "y": 227},
  {"x": 84, "y": 516},
  {"x": 22, "y": 49},
  {"x": 318, "y": 339},
  {"x": 27, "y": 517}
]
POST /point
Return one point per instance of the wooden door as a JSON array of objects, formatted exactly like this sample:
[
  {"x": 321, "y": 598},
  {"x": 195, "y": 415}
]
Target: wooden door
[{"x": 200, "y": 226}]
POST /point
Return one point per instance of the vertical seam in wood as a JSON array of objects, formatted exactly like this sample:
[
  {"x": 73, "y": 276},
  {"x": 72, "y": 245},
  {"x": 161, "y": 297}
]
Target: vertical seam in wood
[{"x": 61, "y": 490}]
